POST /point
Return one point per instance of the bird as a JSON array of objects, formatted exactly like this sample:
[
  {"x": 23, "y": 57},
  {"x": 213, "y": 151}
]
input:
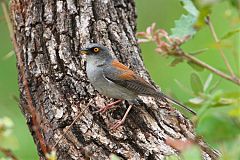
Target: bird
[{"x": 115, "y": 80}]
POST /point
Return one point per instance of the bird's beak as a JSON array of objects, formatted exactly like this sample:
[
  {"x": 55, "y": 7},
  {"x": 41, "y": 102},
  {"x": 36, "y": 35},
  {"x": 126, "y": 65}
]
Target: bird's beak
[{"x": 83, "y": 51}]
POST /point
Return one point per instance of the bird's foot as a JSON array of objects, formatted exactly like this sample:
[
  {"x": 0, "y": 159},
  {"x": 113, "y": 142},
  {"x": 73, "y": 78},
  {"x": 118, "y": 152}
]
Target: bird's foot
[
  {"x": 117, "y": 124},
  {"x": 121, "y": 121},
  {"x": 108, "y": 106}
]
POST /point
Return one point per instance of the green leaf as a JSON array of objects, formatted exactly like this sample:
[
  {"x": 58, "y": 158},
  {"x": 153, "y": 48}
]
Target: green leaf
[
  {"x": 10, "y": 142},
  {"x": 8, "y": 55},
  {"x": 196, "y": 100},
  {"x": 192, "y": 153},
  {"x": 226, "y": 101},
  {"x": 114, "y": 157},
  {"x": 189, "y": 7},
  {"x": 5, "y": 158},
  {"x": 235, "y": 3},
  {"x": 196, "y": 84},
  {"x": 184, "y": 26},
  {"x": 216, "y": 121},
  {"x": 235, "y": 112},
  {"x": 230, "y": 150},
  {"x": 204, "y": 3},
  {"x": 195, "y": 66},
  {"x": 200, "y": 51},
  {"x": 175, "y": 62},
  {"x": 172, "y": 157},
  {"x": 207, "y": 83},
  {"x": 213, "y": 87},
  {"x": 204, "y": 12},
  {"x": 51, "y": 156},
  {"x": 6, "y": 125},
  {"x": 183, "y": 87},
  {"x": 234, "y": 94},
  {"x": 221, "y": 98},
  {"x": 230, "y": 34}
]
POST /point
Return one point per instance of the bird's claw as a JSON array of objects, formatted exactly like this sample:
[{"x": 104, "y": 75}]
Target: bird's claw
[
  {"x": 108, "y": 106},
  {"x": 120, "y": 122},
  {"x": 117, "y": 124},
  {"x": 104, "y": 109}
]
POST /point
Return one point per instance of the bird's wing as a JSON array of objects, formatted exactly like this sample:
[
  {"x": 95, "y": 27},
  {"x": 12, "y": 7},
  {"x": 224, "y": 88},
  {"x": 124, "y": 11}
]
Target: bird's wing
[{"x": 123, "y": 76}]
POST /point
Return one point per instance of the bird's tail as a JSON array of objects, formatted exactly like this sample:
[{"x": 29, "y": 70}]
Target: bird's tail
[{"x": 177, "y": 103}]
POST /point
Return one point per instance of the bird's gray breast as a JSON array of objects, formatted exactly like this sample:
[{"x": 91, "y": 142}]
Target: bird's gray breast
[
  {"x": 95, "y": 76},
  {"x": 103, "y": 85}
]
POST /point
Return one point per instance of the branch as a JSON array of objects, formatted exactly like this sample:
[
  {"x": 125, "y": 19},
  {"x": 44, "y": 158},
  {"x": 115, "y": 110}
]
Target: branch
[
  {"x": 171, "y": 46},
  {"x": 198, "y": 62},
  {"x": 6, "y": 17},
  {"x": 8, "y": 153},
  {"x": 209, "y": 23}
]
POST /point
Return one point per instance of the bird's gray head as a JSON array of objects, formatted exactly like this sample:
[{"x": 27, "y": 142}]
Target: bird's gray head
[{"x": 96, "y": 50}]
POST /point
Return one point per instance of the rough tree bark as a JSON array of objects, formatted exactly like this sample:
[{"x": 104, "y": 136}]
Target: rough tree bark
[{"x": 54, "y": 87}]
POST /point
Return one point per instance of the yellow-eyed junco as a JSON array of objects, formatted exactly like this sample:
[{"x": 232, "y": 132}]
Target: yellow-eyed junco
[{"x": 113, "y": 79}]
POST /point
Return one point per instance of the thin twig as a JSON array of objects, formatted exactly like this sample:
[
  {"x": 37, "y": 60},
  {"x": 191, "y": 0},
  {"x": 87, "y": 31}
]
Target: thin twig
[
  {"x": 31, "y": 108},
  {"x": 6, "y": 16},
  {"x": 209, "y": 23},
  {"x": 198, "y": 51},
  {"x": 210, "y": 68},
  {"x": 69, "y": 127},
  {"x": 8, "y": 153},
  {"x": 170, "y": 46}
]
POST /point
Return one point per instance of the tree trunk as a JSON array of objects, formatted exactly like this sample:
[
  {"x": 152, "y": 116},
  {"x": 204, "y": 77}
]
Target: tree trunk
[{"x": 54, "y": 88}]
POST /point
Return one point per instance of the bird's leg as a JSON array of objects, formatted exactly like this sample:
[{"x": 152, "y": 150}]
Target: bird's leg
[
  {"x": 108, "y": 106},
  {"x": 121, "y": 121}
]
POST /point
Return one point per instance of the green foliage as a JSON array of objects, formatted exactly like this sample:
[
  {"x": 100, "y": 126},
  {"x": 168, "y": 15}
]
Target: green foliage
[
  {"x": 235, "y": 3},
  {"x": 207, "y": 95},
  {"x": 218, "y": 96},
  {"x": 114, "y": 157},
  {"x": 19, "y": 141},
  {"x": 189, "y": 7},
  {"x": 219, "y": 123},
  {"x": 204, "y": 12},
  {"x": 172, "y": 157},
  {"x": 184, "y": 27},
  {"x": 208, "y": 82},
  {"x": 7, "y": 139},
  {"x": 5, "y": 158},
  {"x": 192, "y": 153},
  {"x": 51, "y": 156},
  {"x": 188, "y": 25},
  {"x": 216, "y": 100},
  {"x": 176, "y": 61},
  {"x": 231, "y": 151},
  {"x": 195, "y": 67},
  {"x": 6, "y": 125},
  {"x": 196, "y": 84},
  {"x": 230, "y": 34}
]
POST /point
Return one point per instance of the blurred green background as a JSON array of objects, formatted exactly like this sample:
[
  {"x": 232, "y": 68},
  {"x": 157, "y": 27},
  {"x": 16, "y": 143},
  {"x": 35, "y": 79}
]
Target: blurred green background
[{"x": 217, "y": 126}]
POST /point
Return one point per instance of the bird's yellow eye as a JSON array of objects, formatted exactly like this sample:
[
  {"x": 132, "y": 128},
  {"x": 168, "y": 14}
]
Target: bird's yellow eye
[{"x": 96, "y": 49}]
